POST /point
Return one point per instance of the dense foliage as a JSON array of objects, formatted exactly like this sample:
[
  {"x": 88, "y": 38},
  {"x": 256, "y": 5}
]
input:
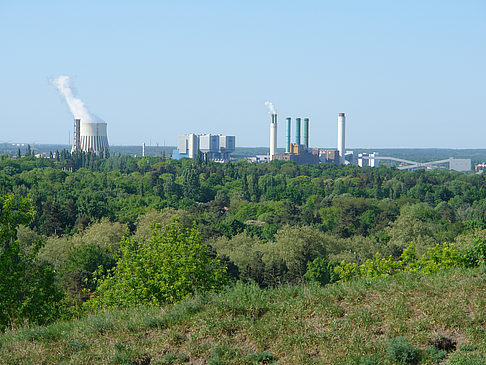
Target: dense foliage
[
  {"x": 27, "y": 290},
  {"x": 270, "y": 224}
]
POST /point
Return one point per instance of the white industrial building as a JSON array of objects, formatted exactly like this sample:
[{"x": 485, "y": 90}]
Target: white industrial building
[{"x": 215, "y": 147}]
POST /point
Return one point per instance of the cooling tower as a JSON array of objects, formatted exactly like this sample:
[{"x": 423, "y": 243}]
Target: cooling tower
[
  {"x": 306, "y": 133},
  {"x": 93, "y": 137},
  {"x": 287, "y": 135},
  {"x": 297, "y": 131},
  {"x": 273, "y": 136},
  {"x": 341, "y": 134}
]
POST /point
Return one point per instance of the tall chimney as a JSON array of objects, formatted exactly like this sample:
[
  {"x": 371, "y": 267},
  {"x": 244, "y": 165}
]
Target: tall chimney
[
  {"x": 341, "y": 137},
  {"x": 297, "y": 131},
  {"x": 143, "y": 149},
  {"x": 273, "y": 136},
  {"x": 306, "y": 133},
  {"x": 287, "y": 135},
  {"x": 77, "y": 137}
]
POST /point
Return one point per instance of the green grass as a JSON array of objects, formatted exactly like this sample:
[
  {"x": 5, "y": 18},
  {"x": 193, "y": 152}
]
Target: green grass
[{"x": 401, "y": 319}]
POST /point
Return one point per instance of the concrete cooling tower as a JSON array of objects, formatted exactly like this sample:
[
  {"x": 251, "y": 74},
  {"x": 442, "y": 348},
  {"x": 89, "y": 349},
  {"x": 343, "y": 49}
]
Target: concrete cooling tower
[{"x": 92, "y": 138}]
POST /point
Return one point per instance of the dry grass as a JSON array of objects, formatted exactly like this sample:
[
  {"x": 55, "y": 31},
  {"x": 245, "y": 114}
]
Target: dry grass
[{"x": 348, "y": 323}]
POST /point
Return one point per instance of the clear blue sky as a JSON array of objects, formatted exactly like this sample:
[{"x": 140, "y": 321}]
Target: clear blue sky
[{"x": 406, "y": 73}]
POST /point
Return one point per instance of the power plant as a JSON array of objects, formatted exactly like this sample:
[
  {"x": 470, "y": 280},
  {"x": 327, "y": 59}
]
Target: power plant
[
  {"x": 297, "y": 152},
  {"x": 89, "y": 131},
  {"x": 90, "y": 137},
  {"x": 300, "y": 152}
]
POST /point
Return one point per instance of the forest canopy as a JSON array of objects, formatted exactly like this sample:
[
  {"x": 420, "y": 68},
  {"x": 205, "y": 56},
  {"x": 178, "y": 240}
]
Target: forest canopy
[{"x": 269, "y": 224}]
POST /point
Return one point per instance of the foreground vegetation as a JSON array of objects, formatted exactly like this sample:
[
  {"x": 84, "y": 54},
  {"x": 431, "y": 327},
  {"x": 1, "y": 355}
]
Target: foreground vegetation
[
  {"x": 407, "y": 318},
  {"x": 320, "y": 263}
]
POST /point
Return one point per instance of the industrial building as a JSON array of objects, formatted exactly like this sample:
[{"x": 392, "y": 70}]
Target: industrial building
[
  {"x": 90, "y": 137},
  {"x": 327, "y": 156},
  {"x": 368, "y": 159},
  {"x": 297, "y": 152},
  {"x": 214, "y": 147}
]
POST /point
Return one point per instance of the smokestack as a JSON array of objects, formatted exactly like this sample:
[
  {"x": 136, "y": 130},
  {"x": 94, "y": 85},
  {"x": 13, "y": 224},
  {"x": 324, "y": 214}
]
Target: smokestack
[
  {"x": 297, "y": 131},
  {"x": 287, "y": 136},
  {"x": 77, "y": 138},
  {"x": 273, "y": 136},
  {"x": 306, "y": 133},
  {"x": 143, "y": 149},
  {"x": 341, "y": 137}
]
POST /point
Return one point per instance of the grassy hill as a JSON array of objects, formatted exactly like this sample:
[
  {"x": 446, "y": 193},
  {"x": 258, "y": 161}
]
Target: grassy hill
[{"x": 431, "y": 319}]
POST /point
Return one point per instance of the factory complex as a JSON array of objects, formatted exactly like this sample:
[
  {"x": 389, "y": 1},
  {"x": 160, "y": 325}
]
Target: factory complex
[
  {"x": 90, "y": 135},
  {"x": 300, "y": 152}
]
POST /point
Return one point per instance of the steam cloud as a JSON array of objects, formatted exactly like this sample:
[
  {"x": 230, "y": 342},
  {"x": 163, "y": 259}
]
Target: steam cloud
[
  {"x": 77, "y": 107},
  {"x": 271, "y": 108}
]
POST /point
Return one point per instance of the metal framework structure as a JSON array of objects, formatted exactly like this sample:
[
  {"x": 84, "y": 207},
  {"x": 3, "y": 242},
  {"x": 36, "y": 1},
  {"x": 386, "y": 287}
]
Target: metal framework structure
[{"x": 411, "y": 164}]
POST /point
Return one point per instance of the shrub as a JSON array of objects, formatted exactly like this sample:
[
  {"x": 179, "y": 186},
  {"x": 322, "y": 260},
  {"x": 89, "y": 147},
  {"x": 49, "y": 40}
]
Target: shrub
[
  {"x": 476, "y": 254},
  {"x": 400, "y": 351},
  {"x": 436, "y": 258},
  {"x": 321, "y": 271},
  {"x": 172, "y": 264}
]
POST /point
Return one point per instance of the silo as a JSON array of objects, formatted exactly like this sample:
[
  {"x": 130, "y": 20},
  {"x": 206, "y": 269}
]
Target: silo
[
  {"x": 93, "y": 137},
  {"x": 306, "y": 133}
]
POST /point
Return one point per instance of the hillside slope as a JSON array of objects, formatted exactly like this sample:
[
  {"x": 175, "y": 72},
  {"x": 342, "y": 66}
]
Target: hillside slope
[{"x": 437, "y": 318}]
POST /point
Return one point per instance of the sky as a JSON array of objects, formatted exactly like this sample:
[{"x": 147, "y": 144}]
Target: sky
[{"x": 406, "y": 73}]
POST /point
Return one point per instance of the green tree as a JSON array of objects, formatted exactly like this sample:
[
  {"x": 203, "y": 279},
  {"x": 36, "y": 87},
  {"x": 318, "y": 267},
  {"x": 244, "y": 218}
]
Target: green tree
[
  {"x": 172, "y": 264},
  {"x": 286, "y": 259},
  {"x": 191, "y": 183},
  {"x": 27, "y": 291}
]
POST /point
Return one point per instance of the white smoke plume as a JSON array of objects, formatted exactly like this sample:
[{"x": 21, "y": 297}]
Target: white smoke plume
[
  {"x": 271, "y": 108},
  {"x": 76, "y": 105}
]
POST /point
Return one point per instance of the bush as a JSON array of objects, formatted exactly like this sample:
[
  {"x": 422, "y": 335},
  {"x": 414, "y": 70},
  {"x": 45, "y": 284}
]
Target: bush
[
  {"x": 172, "y": 264},
  {"x": 436, "y": 258},
  {"x": 476, "y": 254},
  {"x": 400, "y": 351},
  {"x": 321, "y": 272}
]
